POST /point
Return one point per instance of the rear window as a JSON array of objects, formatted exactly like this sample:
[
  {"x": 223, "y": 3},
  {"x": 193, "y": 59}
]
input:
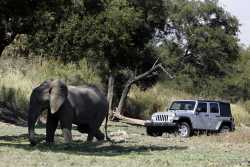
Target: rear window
[{"x": 225, "y": 110}]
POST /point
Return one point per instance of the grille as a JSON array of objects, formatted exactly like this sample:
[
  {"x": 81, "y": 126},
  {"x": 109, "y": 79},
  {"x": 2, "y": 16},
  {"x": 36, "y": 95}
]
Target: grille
[{"x": 163, "y": 118}]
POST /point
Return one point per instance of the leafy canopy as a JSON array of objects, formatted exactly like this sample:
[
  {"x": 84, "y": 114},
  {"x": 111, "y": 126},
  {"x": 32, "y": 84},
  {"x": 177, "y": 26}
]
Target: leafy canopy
[{"x": 200, "y": 38}]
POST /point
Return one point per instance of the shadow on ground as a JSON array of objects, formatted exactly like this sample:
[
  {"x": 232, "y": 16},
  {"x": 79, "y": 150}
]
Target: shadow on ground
[{"x": 83, "y": 148}]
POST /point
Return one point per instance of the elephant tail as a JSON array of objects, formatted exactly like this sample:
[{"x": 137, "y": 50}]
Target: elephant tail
[{"x": 106, "y": 126}]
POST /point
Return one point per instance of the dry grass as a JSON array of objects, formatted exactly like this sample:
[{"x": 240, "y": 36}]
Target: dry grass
[
  {"x": 241, "y": 116},
  {"x": 134, "y": 149},
  {"x": 19, "y": 76}
]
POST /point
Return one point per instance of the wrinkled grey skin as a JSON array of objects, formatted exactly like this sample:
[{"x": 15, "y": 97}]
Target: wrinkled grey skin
[{"x": 86, "y": 107}]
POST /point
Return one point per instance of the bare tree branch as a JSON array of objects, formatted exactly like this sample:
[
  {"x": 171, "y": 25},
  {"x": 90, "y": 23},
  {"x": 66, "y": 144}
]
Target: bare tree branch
[
  {"x": 135, "y": 79},
  {"x": 163, "y": 69}
]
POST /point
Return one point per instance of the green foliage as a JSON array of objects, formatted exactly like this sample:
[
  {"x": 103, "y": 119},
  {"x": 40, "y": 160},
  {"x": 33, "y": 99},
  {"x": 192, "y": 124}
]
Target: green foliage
[
  {"x": 238, "y": 83},
  {"x": 198, "y": 44},
  {"x": 114, "y": 37},
  {"x": 202, "y": 38}
]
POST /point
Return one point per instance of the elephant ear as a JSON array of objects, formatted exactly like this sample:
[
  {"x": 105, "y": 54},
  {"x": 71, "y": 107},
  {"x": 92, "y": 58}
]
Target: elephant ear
[{"x": 58, "y": 94}]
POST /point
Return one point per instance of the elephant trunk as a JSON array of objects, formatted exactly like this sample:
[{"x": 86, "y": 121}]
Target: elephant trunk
[{"x": 33, "y": 113}]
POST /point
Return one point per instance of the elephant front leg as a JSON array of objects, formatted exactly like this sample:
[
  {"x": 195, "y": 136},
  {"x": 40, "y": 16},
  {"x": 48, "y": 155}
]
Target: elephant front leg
[
  {"x": 66, "y": 126},
  {"x": 67, "y": 135},
  {"x": 51, "y": 126}
]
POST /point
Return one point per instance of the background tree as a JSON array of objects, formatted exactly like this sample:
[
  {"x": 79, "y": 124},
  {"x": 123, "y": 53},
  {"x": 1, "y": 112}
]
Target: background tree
[
  {"x": 199, "y": 40},
  {"x": 114, "y": 35},
  {"x": 123, "y": 38}
]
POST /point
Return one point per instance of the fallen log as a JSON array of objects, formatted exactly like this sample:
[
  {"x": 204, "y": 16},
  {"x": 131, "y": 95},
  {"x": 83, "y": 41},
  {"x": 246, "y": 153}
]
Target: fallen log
[{"x": 131, "y": 121}]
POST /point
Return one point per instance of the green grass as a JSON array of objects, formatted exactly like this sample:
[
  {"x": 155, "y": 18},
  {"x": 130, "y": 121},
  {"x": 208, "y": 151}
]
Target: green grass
[{"x": 135, "y": 149}]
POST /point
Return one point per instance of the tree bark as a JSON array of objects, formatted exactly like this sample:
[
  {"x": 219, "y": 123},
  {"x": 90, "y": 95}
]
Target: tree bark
[
  {"x": 123, "y": 97},
  {"x": 110, "y": 93}
]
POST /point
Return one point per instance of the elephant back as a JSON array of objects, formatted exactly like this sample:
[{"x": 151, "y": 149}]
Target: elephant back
[{"x": 89, "y": 103}]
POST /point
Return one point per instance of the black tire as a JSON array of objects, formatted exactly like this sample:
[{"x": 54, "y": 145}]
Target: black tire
[
  {"x": 224, "y": 129},
  {"x": 151, "y": 131},
  {"x": 184, "y": 129}
]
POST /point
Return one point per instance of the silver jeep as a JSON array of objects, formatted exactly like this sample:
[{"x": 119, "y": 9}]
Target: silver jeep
[{"x": 188, "y": 116}]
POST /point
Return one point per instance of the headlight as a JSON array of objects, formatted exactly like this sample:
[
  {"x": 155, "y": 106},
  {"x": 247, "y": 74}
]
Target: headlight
[
  {"x": 153, "y": 117},
  {"x": 171, "y": 116}
]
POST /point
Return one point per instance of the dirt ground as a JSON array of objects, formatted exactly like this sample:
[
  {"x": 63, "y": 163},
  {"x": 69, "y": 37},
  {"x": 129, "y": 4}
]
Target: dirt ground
[{"x": 132, "y": 147}]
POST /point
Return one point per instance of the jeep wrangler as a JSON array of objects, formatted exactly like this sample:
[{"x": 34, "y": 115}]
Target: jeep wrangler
[{"x": 187, "y": 116}]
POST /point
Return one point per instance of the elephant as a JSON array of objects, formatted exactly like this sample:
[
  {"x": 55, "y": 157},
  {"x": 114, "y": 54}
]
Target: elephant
[{"x": 84, "y": 106}]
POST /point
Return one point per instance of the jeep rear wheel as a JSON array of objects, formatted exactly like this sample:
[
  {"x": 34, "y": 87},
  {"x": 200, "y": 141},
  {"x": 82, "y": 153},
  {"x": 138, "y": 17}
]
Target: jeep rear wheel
[
  {"x": 184, "y": 129},
  {"x": 224, "y": 129},
  {"x": 151, "y": 131}
]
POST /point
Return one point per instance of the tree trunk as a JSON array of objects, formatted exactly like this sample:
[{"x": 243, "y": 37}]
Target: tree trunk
[
  {"x": 125, "y": 91},
  {"x": 110, "y": 93},
  {"x": 123, "y": 97},
  {"x": 1, "y": 50}
]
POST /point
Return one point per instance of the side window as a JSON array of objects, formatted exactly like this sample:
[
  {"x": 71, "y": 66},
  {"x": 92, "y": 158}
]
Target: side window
[
  {"x": 214, "y": 108},
  {"x": 202, "y": 107}
]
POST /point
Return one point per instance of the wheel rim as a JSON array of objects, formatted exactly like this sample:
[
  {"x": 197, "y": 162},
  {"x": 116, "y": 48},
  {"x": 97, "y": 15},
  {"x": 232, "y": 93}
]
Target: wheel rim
[
  {"x": 224, "y": 129},
  {"x": 183, "y": 130}
]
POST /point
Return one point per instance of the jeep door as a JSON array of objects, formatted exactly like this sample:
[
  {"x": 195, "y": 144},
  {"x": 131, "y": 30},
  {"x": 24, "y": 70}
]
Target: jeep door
[
  {"x": 214, "y": 115},
  {"x": 201, "y": 116}
]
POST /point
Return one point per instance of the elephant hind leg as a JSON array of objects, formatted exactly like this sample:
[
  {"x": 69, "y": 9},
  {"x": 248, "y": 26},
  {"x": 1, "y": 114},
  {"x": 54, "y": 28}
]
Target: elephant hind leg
[
  {"x": 91, "y": 133},
  {"x": 99, "y": 135},
  {"x": 83, "y": 128}
]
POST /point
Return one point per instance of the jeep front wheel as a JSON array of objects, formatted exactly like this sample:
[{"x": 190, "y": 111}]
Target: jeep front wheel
[
  {"x": 184, "y": 129},
  {"x": 151, "y": 131}
]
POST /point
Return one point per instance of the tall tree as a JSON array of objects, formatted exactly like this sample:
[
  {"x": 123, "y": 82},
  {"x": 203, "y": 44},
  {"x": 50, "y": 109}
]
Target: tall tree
[
  {"x": 200, "y": 38},
  {"x": 115, "y": 35}
]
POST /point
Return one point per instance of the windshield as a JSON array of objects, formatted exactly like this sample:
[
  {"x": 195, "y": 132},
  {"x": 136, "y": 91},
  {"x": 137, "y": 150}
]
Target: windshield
[{"x": 182, "y": 105}]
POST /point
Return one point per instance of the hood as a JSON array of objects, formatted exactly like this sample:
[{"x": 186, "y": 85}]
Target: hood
[{"x": 175, "y": 112}]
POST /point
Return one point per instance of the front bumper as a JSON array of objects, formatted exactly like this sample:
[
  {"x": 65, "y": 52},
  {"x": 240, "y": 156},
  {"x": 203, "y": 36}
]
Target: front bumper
[
  {"x": 165, "y": 124},
  {"x": 161, "y": 126}
]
